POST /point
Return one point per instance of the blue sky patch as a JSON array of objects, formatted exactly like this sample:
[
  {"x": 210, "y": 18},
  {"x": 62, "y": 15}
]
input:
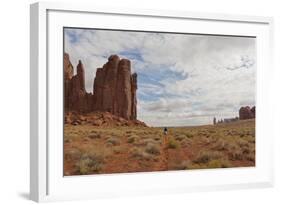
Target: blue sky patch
[
  {"x": 132, "y": 54},
  {"x": 72, "y": 36}
]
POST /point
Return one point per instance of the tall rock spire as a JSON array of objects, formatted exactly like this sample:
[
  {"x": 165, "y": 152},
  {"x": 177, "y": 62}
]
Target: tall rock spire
[
  {"x": 109, "y": 85},
  {"x": 81, "y": 76},
  {"x": 67, "y": 74},
  {"x": 114, "y": 88},
  {"x": 123, "y": 89},
  {"x": 75, "y": 96},
  {"x": 134, "y": 88}
]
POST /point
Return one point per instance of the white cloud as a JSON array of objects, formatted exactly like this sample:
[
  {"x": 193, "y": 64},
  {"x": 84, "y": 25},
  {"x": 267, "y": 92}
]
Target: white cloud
[{"x": 220, "y": 72}]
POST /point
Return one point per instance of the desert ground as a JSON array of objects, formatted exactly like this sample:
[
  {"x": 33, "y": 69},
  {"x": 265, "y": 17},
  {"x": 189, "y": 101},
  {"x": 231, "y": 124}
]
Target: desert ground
[{"x": 91, "y": 149}]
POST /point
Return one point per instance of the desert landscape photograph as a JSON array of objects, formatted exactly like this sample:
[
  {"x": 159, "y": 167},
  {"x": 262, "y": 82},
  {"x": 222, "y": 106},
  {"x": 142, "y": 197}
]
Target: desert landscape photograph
[{"x": 142, "y": 101}]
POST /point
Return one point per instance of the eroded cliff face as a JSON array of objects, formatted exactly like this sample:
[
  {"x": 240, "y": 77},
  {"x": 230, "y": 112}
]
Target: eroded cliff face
[
  {"x": 68, "y": 74},
  {"x": 247, "y": 113},
  {"x": 114, "y": 88},
  {"x": 75, "y": 96}
]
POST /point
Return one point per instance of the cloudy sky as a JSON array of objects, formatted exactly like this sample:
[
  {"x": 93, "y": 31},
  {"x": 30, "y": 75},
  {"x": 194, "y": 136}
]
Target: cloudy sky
[{"x": 183, "y": 79}]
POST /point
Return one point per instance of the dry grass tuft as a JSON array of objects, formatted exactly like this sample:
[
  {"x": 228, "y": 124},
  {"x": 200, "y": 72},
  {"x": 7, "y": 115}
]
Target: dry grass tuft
[
  {"x": 180, "y": 137},
  {"x": 90, "y": 163},
  {"x": 113, "y": 141},
  {"x": 132, "y": 138},
  {"x": 73, "y": 154},
  {"x": 173, "y": 144},
  {"x": 152, "y": 149},
  {"x": 94, "y": 136},
  {"x": 251, "y": 156},
  {"x": 117, "y": 150},
  {"x": 207, "y": 156},
  {"x": 220, "y": 145},
  {"x": 219, "y": 163},
  {"x": 140, "y": 154},
  {"x": 236, "y": 154}
]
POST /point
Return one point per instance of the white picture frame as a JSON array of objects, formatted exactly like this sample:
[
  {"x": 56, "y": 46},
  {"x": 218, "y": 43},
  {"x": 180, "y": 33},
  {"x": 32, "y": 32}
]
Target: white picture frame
[{"x": 46, "y": 177}]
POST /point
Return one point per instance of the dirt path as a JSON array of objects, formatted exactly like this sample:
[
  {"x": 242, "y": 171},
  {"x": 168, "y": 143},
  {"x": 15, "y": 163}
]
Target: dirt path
[{"x": 164, "y": 154}]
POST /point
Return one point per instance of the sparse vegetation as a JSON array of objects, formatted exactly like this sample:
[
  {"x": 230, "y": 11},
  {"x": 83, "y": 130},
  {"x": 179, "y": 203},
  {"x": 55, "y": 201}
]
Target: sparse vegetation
[
  {"x": 90, "y": 163},
  {"x": 152, "y": 149},
  {"x": 236, "y": 154},
  {"x": 173, "y": 144},
  {"x": 180, "y": 137},
  {"x": 219, "y": 163},
  {"x": 251, "y": 156},
  {"x": 113, "y": 141},
  {"x": 132, "y": 138},
  {"x": 220, "y": 145},
  {"x": 140, "y": 154},
  {"x": 117, "y": 150},
  {"x": 72, "y": 154},
  {"x": 207, "y": 156},
  {"x": 94, "y": 136},
  {"x": 91, "y": 149},
  {"x": 188, "y": 135}
]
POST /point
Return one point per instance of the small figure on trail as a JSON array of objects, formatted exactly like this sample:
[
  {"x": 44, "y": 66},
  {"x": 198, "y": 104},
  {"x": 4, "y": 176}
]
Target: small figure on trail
[
  {"x": 165, "y": 138},
  {"x": 214, "y": 121},
  {"x": 165, "y": 131}
]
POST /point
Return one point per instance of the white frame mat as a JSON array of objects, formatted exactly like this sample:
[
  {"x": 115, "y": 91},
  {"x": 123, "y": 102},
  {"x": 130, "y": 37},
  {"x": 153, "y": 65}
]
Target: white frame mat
[{"x": 46, "y": 177}]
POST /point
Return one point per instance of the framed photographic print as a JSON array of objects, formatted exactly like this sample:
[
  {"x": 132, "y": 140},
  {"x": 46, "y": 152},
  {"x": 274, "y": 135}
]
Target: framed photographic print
[{"x": 127, "y": 102}]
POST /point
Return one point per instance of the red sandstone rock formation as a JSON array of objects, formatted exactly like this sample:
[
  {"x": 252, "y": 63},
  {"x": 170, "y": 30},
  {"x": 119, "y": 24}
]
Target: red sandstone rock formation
[
  {"x": 68, "y": 73},
  {"x": 253, "y": 109},
  {"x": 246, "y": 113},
  {"x": 123, "y": 89},
  {"x": 98, "y": 89},
  {"x": 75, "y": 95},
  {"x": 67, "y": 67},
  {"x": 114, "y": 89},
  {"x": 134, "y": 96},
  {"x": 100, "y": 119},
  {"x": 105, "y": 86}
]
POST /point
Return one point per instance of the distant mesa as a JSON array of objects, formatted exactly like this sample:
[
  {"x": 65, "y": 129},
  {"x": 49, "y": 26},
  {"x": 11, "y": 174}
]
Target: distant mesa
[
  {"x": 114, "y": 89},
  {"x": 247, "y": 113}
]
